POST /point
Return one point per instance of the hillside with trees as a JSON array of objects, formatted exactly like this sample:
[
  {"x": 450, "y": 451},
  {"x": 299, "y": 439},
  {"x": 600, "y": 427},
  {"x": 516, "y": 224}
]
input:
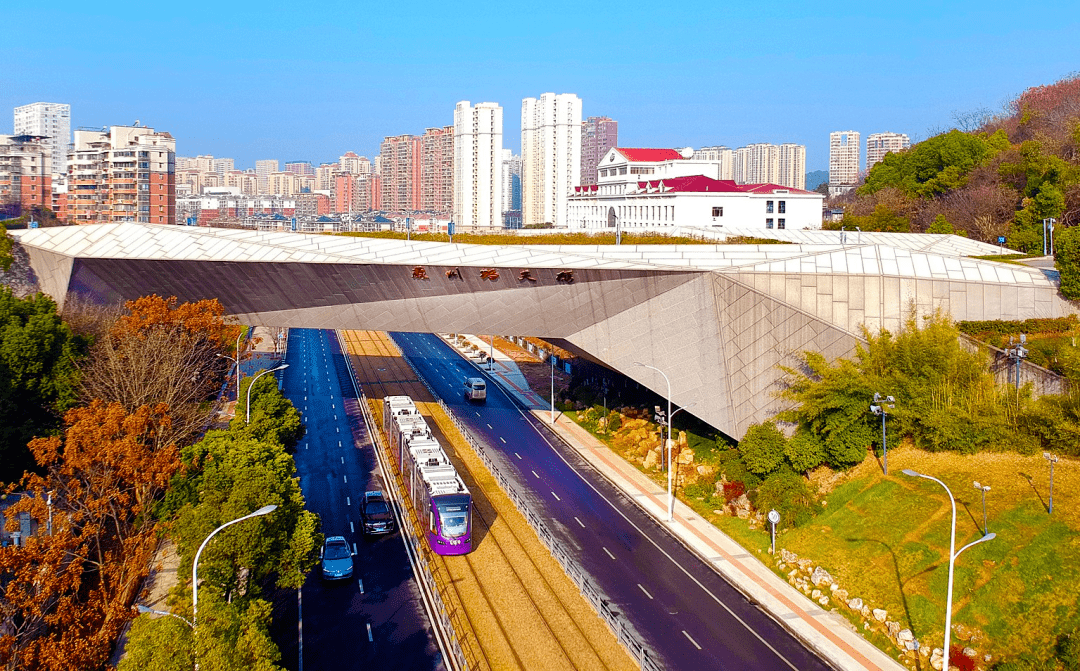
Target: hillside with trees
[{"x": 997, "y": 175}]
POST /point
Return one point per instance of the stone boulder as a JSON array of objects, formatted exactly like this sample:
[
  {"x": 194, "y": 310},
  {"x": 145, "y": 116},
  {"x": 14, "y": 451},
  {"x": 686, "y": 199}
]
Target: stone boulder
[
  {"x": 855, "y": 604},
  {"x": 880, "y": 615},
  {"x": 788, "y": 557},
  {"x": 651, "y": 459},
  {"x": 820, "y": 577}
]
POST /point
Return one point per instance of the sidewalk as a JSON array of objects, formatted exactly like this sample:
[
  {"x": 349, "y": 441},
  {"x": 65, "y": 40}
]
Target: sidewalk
[
  {"x": 503, "y": 369},
  {"x": 828, "y": 633}
]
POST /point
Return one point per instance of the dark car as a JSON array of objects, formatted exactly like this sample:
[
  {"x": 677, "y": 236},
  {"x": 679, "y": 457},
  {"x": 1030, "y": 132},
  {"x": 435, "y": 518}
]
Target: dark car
[
  {"x": 375, "y": 514},
  {"x": 336, "y": 559}
]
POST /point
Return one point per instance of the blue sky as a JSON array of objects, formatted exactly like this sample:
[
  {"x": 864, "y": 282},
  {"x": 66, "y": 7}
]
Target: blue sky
[{"x": 309, "y": 81}]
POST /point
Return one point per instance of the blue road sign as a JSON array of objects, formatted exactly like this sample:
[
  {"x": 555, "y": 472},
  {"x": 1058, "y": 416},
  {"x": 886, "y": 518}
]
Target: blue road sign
[{"x": 1001, "y": 239}]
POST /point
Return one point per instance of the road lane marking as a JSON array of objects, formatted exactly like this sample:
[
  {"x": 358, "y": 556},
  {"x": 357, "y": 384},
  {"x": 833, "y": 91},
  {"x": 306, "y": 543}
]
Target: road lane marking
[
  {"x": 346, "y": 479},
  {"x": 361, "y": 585},
  {"x": 691, "y": 640},
  {"x": 371, "y": 641},
  {"x": 608, "y": 552},
  {"x": 354, "y": 548},
  {"x": 300, "y": 626},
  {"x": 335, "y": 418},
  {"x": 517, "y": 455},
  {"x": 580, "y": 523},
  {"x": 339, "y": 443},
  {"x": 556, "y": 496},
  {"x": 647, "y": 593},
  {"x": 503, "y": 440},
  {"x": 352, "y": 529},
  {"x": 537, "y": 476},
  {"x": 337, "y": 428},
  {"x": 348, "y": 501},
  {"x": 477, "y": 414},
  {"x": 489, "y": 426}
]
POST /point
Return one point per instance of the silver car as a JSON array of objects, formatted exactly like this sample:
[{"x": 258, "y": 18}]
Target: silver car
[{"x": 337, "y": 559}]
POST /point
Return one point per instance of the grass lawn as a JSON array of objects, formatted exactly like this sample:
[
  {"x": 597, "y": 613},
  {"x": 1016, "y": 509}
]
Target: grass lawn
[{"x": 886, "y": 540}]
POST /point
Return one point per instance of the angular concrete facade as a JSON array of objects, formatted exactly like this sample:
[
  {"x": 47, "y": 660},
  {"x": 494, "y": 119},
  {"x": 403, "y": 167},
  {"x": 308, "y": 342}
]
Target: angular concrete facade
[{"x": 717, "y": 319}]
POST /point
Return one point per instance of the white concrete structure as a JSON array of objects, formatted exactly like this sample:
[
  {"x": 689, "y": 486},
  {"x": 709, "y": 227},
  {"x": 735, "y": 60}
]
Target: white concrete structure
[
  {"x": 724, "y": 156},
  {"x": 550, "y": 157},
  {"x": 843, "y": 161},
  {"x": 879, "y": 144},
  {"x": 658, "y": 189},
  {"x": 51, "y": 120},
  {"x": 478, "y": 164}
]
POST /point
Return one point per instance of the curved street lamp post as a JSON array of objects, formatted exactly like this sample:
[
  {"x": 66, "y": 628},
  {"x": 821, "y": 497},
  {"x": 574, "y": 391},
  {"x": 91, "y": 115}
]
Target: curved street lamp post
[
  {"x": 248, "y": 404},
  {"x": 953, "y": 554},
  {"x": 671, "y": 492},
  {"x": 265, "y": 510},
  {"x": 880, "y": 407}
]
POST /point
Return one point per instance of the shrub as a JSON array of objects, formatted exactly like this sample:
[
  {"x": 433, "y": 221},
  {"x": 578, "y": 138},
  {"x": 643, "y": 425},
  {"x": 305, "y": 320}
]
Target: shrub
[
  {"x": 1067, "y": 260},
  {"x": 702, "y": 489},
  {"x": 1068, "y": 651},
  {"x": 731, "y": 464},
  {"x": 732, "y": 490},
  {"x": 762, "y": 448},
  {"x": 847, "y": 447},
  {"x": 790, "y": 495},
  {"x": 804, "y": 451},
  {"x": 940, "y": 225},
  {"x": 614, "y": 421}
]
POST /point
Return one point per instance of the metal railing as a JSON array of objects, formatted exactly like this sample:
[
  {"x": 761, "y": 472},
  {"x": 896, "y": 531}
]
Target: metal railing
[
  {"x": 625, "y": 635},
  {"x": 440, "y": 617}
]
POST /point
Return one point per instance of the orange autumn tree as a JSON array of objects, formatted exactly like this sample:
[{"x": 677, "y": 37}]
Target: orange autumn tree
[
  {"x": 206, "y": 317},
  {"x": 65, "y": 596}
]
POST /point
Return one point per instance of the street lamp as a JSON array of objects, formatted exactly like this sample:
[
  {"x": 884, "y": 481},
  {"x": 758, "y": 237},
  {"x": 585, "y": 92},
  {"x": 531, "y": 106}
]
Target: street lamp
[
  {"x": 983, "y": 489},
  {"x": 952, "y": 559},
  {"x": 265, "y": 510},
  {"x": 671, "y": 491},
  {"x": 1048, "y": 224},
  {"x": 1016, "y": 352},
  {"x": 1052, "y": 458},
  {"x": 144, "y": 609},
  {"x": 551, "y": 359},
  {"x": 878, "y": 408},
  {"x": 237, "y": 362},
  {"x": 281, "y": 367}
]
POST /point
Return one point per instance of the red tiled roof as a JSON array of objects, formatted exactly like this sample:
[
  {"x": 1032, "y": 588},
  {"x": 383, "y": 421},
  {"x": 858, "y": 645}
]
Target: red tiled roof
[
  {"x": 648, "y": 155},
  {"x": 694, "y": 184},
  {"x": 769, "y": 188}
]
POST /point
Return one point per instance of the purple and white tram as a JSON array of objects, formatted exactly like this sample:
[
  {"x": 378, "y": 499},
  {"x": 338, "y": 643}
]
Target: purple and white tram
[{"x": 437, "y": 493}]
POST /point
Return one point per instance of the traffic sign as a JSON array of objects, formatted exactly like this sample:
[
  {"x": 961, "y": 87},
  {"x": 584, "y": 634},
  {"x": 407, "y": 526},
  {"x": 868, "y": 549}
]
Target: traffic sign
[
  {"x": 1001, "y": 239},
  {"x": 774, "y": 517}
]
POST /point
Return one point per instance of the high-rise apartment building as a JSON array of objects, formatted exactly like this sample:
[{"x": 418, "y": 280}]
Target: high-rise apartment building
[
  {"x": 723, "y": 156},
  {"x": 263, "y": 169},
  {"x": 124, "y": 173},
  {"x": 843, "y": 161},
  {"x": 437, "y": 171},
  {"x": 879, "y": 144},
  {"x": 224, "y": 165},
  {"x": 283, "y": 183},
  {"x": 598, "y": 135},
  {"x": 792, "y": 166},
  {"x": 51, "y": 121},
  {"x": 299, "y": 167},
  {"x": 511, "y": 198},
  {"x": 352, "y": 164},
  {"x": 478, "y": 155},
  {"x": 25, "y": 173},
  {"x": 400, "y": 173},
  {"x": 550, "y": 157}
]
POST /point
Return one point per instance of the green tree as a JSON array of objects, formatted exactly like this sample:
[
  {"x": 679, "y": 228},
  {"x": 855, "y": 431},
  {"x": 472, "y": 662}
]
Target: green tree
[
  {"x": 273, "y": 417},
  {"x": 934, "y": 166},
  {"x": 235, "y": 475},
  {"x": 6, "y": 245},
  {"x": 940, "y": 226},
  {"x": 38, "y": 375},
  {"x": 762, "y": 448},
  {"x": 1067, "y": 261}
]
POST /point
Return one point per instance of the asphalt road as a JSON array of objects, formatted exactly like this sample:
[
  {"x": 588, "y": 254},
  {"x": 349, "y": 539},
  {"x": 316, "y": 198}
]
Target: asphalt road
[
  {"x": 334, "y": 476},
  {"x": 679, "y": 606}
]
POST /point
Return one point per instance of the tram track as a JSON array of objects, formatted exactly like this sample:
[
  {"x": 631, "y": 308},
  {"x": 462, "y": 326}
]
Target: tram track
[{"x": 519, "y": 609}]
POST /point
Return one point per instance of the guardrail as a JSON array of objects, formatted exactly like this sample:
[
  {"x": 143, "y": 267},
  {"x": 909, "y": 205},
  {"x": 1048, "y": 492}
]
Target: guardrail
[
  {"x": 445, "y": 635},
  {"x": 594, "y": 596}
]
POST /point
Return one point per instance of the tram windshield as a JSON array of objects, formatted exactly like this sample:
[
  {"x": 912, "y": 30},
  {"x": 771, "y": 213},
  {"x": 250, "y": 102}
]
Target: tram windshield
[{"x": 454, "y": 515}]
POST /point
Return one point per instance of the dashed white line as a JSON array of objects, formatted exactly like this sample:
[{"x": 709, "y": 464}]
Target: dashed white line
[
  {"x": 477, "y": 414},
  {"x": 556, "y": 496},
  {"x": 537, "y": 476},
  {"x": 354, "y": 548},
  {"x": 346, "y": 479},
  {"x": 348, "y": 502},
  {"x": 580, "y": 523},
  {"x": 691, "y": 639},
  {"x": 608, "y": 552},
  {"x": 339, "y": 445},
  {"x": 370, "y": 640},
  {"x": 343, "y": 460},
  {"x": 489, "y": 426},
  {"x": 517, "y": 455},
  {"x": 352, "y": 529},
  {"x": 503, "y": 440},
  {"x": 337, "y": 428},
  {"x": 361, "y": 582},
  {"x": 647, "y": 593},
  {"x": 335, "y": 418}
]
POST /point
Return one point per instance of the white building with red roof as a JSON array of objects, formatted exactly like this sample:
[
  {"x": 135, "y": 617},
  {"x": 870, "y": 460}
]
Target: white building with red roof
[{"x": 654, "y": 189}]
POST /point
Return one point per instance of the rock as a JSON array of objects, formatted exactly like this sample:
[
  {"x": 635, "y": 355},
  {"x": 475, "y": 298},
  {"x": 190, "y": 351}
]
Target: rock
[
  {"x": 865, "y": 625},
  {"x": 855, "y": 604},
  {"x": 911, "y": 646},
  {"x": 937, "y": 659},
  {"x": 962, "y": 632},
  {"x": 824, "y": 600},
  {"x": 820, "y": 577},
  {"x": 840, "y": 594},
  {"x": 805, "y": 564},
  {"x": 788, "y": 557},
  {"x": 880, "y": 614},
  {"x": 816, "y": 594},
  {"x": 904, "y": 636},
  {"x": 686, "y": 457},
  {"x": 865, "y": 611},
  {"x": 923, "y": 650},
  {"x": 651, "y": 459},
  {"x": 894, "y": 628},
  {"x": 970, "y": 652},
  {"x": 718, "y": 512},
  {"x": 987, "y": 657},
  {"x": 794, "y": 572}
]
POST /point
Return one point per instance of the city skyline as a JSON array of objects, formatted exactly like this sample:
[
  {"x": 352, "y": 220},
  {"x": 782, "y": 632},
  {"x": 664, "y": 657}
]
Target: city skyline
[{"x": 291, "y": 100}]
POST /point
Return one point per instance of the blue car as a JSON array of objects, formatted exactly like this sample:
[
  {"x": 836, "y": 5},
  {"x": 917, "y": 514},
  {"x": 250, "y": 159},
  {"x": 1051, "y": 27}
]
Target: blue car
[{"x": 337, "y": 559}]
